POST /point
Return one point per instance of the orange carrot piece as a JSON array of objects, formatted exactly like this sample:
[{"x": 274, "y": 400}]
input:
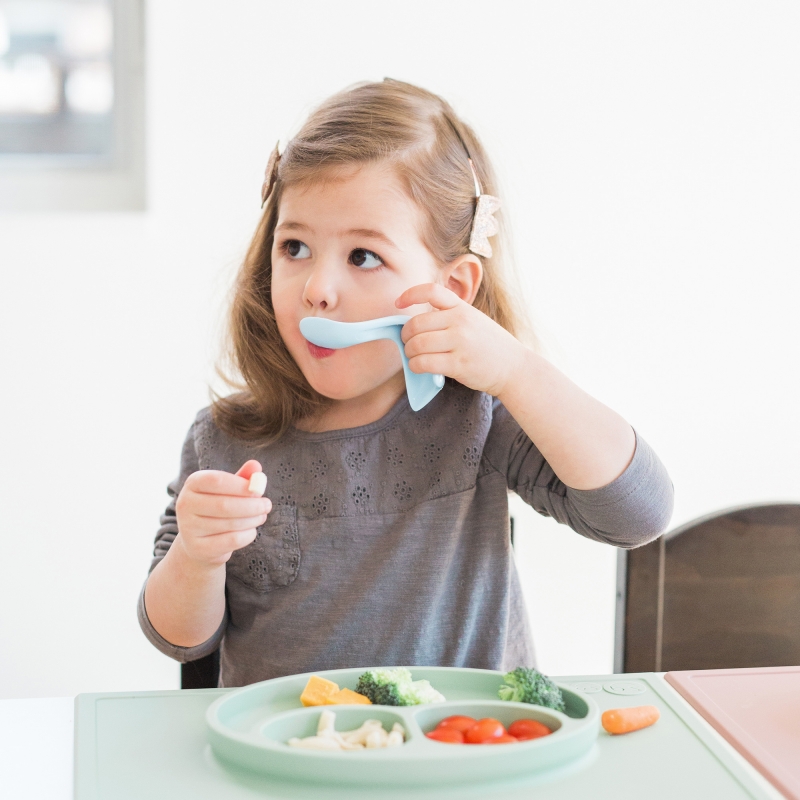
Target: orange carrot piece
[{"x": 625, "y": 720}]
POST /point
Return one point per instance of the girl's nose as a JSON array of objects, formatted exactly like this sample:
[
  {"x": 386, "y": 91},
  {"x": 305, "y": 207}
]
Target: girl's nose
[{"x": 320, "y": 288}]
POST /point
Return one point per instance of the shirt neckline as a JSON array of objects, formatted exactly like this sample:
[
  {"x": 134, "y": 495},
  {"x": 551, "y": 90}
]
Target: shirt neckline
[{"x": 400, "y": 406}]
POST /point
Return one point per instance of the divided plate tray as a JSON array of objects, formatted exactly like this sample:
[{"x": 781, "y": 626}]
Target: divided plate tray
[
  {"x": 155, "y": 745},
  {"x": 250, "y": 728}
]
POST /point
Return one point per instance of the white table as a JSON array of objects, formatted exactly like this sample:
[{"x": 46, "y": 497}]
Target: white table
[{"x": 36, "y": 749}]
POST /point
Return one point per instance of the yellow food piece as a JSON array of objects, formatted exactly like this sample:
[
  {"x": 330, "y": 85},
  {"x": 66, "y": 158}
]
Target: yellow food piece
[
  {"x": 345, "y": 696},
  {"x": 317, "y": 690}
]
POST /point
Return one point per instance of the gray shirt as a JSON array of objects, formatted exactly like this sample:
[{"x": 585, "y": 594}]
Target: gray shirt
[{"x": 388, "y": 544}]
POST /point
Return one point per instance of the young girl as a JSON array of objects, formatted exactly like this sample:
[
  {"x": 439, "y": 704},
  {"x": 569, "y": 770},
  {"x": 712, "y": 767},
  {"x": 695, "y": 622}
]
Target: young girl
[{"x": 384, "y": 539}]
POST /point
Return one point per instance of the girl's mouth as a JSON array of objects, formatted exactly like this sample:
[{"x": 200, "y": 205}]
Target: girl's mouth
[{"x": 319, "y": 352}]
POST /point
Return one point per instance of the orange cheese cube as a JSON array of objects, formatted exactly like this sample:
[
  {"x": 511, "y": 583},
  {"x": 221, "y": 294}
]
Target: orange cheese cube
[
  {"x": 345, "y": 696},
  {"x": 317, "y": 689}
]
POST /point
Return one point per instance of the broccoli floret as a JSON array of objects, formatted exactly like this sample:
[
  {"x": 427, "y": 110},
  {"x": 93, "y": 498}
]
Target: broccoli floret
[
  {"x": 394, "y": 687},
  {"x": 528, "y": 685},
  {"x": 419, "y": 692}
]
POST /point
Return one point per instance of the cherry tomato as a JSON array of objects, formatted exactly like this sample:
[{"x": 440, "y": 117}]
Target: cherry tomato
[
  {"x": 457, "y": 722},
  {"x": 483, "y": 730},
  {"x": 447, "y": 735},
  {"x": 525, "y": 729},
  {"x": 506, "y": 738}
]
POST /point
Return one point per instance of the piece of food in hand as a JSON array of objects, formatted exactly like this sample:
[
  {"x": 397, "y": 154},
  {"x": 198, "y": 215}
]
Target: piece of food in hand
[
  {"x": 395, "y": 687},
  {"x": 317, "y": 690},
  {"x": 626, "y": 720},
  {"x": 528, "y": 685},
  {"x": 525, "y": 729},
  {"x": 344, "y": 696},
  {"x": 258, "y": 483}
]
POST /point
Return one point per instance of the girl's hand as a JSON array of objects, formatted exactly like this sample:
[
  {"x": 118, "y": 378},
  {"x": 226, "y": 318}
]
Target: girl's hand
[
  {"x": 217, "y": 514},
  {"x": 457, "y": 340}
]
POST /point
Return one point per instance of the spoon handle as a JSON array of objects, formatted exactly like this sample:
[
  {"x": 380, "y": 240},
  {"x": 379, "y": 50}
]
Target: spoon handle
[{"x": 421, "y": 387}]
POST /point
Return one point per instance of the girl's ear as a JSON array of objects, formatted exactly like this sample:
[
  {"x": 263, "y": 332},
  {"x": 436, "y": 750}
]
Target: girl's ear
[{"x": 463, "y": 276}]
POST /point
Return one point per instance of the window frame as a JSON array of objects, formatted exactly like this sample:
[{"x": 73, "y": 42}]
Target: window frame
[{"x": 46, "y": 183}]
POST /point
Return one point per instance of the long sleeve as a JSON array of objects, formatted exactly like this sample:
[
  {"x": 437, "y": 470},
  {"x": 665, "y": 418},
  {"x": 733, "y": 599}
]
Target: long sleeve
[
  {"x": 628, "y": 512},
  {"x": 164, "y": 538}
]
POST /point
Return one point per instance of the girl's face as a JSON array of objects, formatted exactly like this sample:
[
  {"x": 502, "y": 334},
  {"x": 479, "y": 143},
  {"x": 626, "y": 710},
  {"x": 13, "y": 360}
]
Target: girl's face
[{"x": 346, "y": 249}]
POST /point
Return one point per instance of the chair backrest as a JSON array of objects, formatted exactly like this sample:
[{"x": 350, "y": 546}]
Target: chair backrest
[
  {"x": 201, "y": 674},
  {"x": 720, "y": 592}
]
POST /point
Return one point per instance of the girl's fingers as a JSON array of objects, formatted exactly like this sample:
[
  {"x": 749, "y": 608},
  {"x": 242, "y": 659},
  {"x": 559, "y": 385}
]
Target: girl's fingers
[
  {"x": 433, "y": 293},
  {"x": 214, "y": 481},
  {"x": 437, "y": 363},
  {"x": 227, "y": 507},
  {"x": 213, "y": 527},
  {"x": 431, "y": 342},
  {"x": 423, "y": 323},
  {"x": 248, "y": 468},
  {"x": 227, "y": 542}
]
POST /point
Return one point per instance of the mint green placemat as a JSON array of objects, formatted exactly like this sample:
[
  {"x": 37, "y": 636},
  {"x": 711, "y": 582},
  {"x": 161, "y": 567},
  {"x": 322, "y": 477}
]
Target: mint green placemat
[{"x": 154, "y": 745}]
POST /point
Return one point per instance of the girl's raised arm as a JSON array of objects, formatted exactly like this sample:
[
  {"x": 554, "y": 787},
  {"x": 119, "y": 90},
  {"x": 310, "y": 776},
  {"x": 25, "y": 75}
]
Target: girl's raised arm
[{"x": 586, "y": 443}]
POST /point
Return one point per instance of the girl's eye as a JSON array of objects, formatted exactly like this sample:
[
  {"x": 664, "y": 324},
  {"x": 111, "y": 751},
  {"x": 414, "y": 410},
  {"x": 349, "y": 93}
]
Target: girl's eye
[
  {"x": 296, "y": 249},
  {"x": 365, "y": 259}
]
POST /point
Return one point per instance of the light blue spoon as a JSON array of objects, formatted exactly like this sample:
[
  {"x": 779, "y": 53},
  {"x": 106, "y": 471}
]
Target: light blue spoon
[{"x": 421, "y": 389}]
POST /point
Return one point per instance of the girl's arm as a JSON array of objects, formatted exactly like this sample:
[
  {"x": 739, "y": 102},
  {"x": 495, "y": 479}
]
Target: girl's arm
[
  {"x": 183, "y": 602},
  {"x": 586, "y": 443}
]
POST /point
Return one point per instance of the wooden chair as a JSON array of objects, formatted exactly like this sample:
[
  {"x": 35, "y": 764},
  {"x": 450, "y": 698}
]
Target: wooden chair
[
  {"x": 720, "y": 592},
  {"x": 201, "y": 674}
]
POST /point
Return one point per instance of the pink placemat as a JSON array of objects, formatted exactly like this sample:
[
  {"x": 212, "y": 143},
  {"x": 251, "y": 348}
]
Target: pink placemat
[{"x": 757, "y": 711}]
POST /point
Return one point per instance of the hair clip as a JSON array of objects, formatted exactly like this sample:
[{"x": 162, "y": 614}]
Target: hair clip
[
  {"x": 270, "y": 174},
  {"x": 484, "y": 224}
]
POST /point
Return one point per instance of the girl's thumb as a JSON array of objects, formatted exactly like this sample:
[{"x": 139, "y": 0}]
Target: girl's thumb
[{"x": 248, "y": 468}]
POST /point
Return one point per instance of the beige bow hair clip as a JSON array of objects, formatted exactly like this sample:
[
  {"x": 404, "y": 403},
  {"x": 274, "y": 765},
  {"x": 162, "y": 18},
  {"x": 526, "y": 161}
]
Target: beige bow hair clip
[{"x": 484, "y": 224}]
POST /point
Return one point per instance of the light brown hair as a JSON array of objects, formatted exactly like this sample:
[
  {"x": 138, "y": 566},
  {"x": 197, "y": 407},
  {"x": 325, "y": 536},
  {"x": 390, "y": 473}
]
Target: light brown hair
[{"x": 421, "y": 137}]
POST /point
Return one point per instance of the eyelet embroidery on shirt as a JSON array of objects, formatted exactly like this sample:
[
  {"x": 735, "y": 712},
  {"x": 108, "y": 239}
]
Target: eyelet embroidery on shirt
[
  {"x": 259, "y": 569},
  {"x": 462, "y": 403},
  {"x": 418, "y": 456},
  {"x": 318, "y": 470},
  {"x": 272, "y": 559},
  {"x": 395, "y": 457},
  {"x": 471, "y": 456},
  {"x": 319, "y": 504},
  {"x": 403, "y": 491},
  {"x": 356, "y": 461},
  {"x": 431, "y": 453},
  {"x": 284, "y": 471},
  {"x": 422, "y": 423},
  {"x": 361, "y": 499}
]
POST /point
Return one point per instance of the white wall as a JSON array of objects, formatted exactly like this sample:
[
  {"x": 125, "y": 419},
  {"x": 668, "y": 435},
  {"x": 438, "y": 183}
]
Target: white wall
[{"x": 650, "y": 161}]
